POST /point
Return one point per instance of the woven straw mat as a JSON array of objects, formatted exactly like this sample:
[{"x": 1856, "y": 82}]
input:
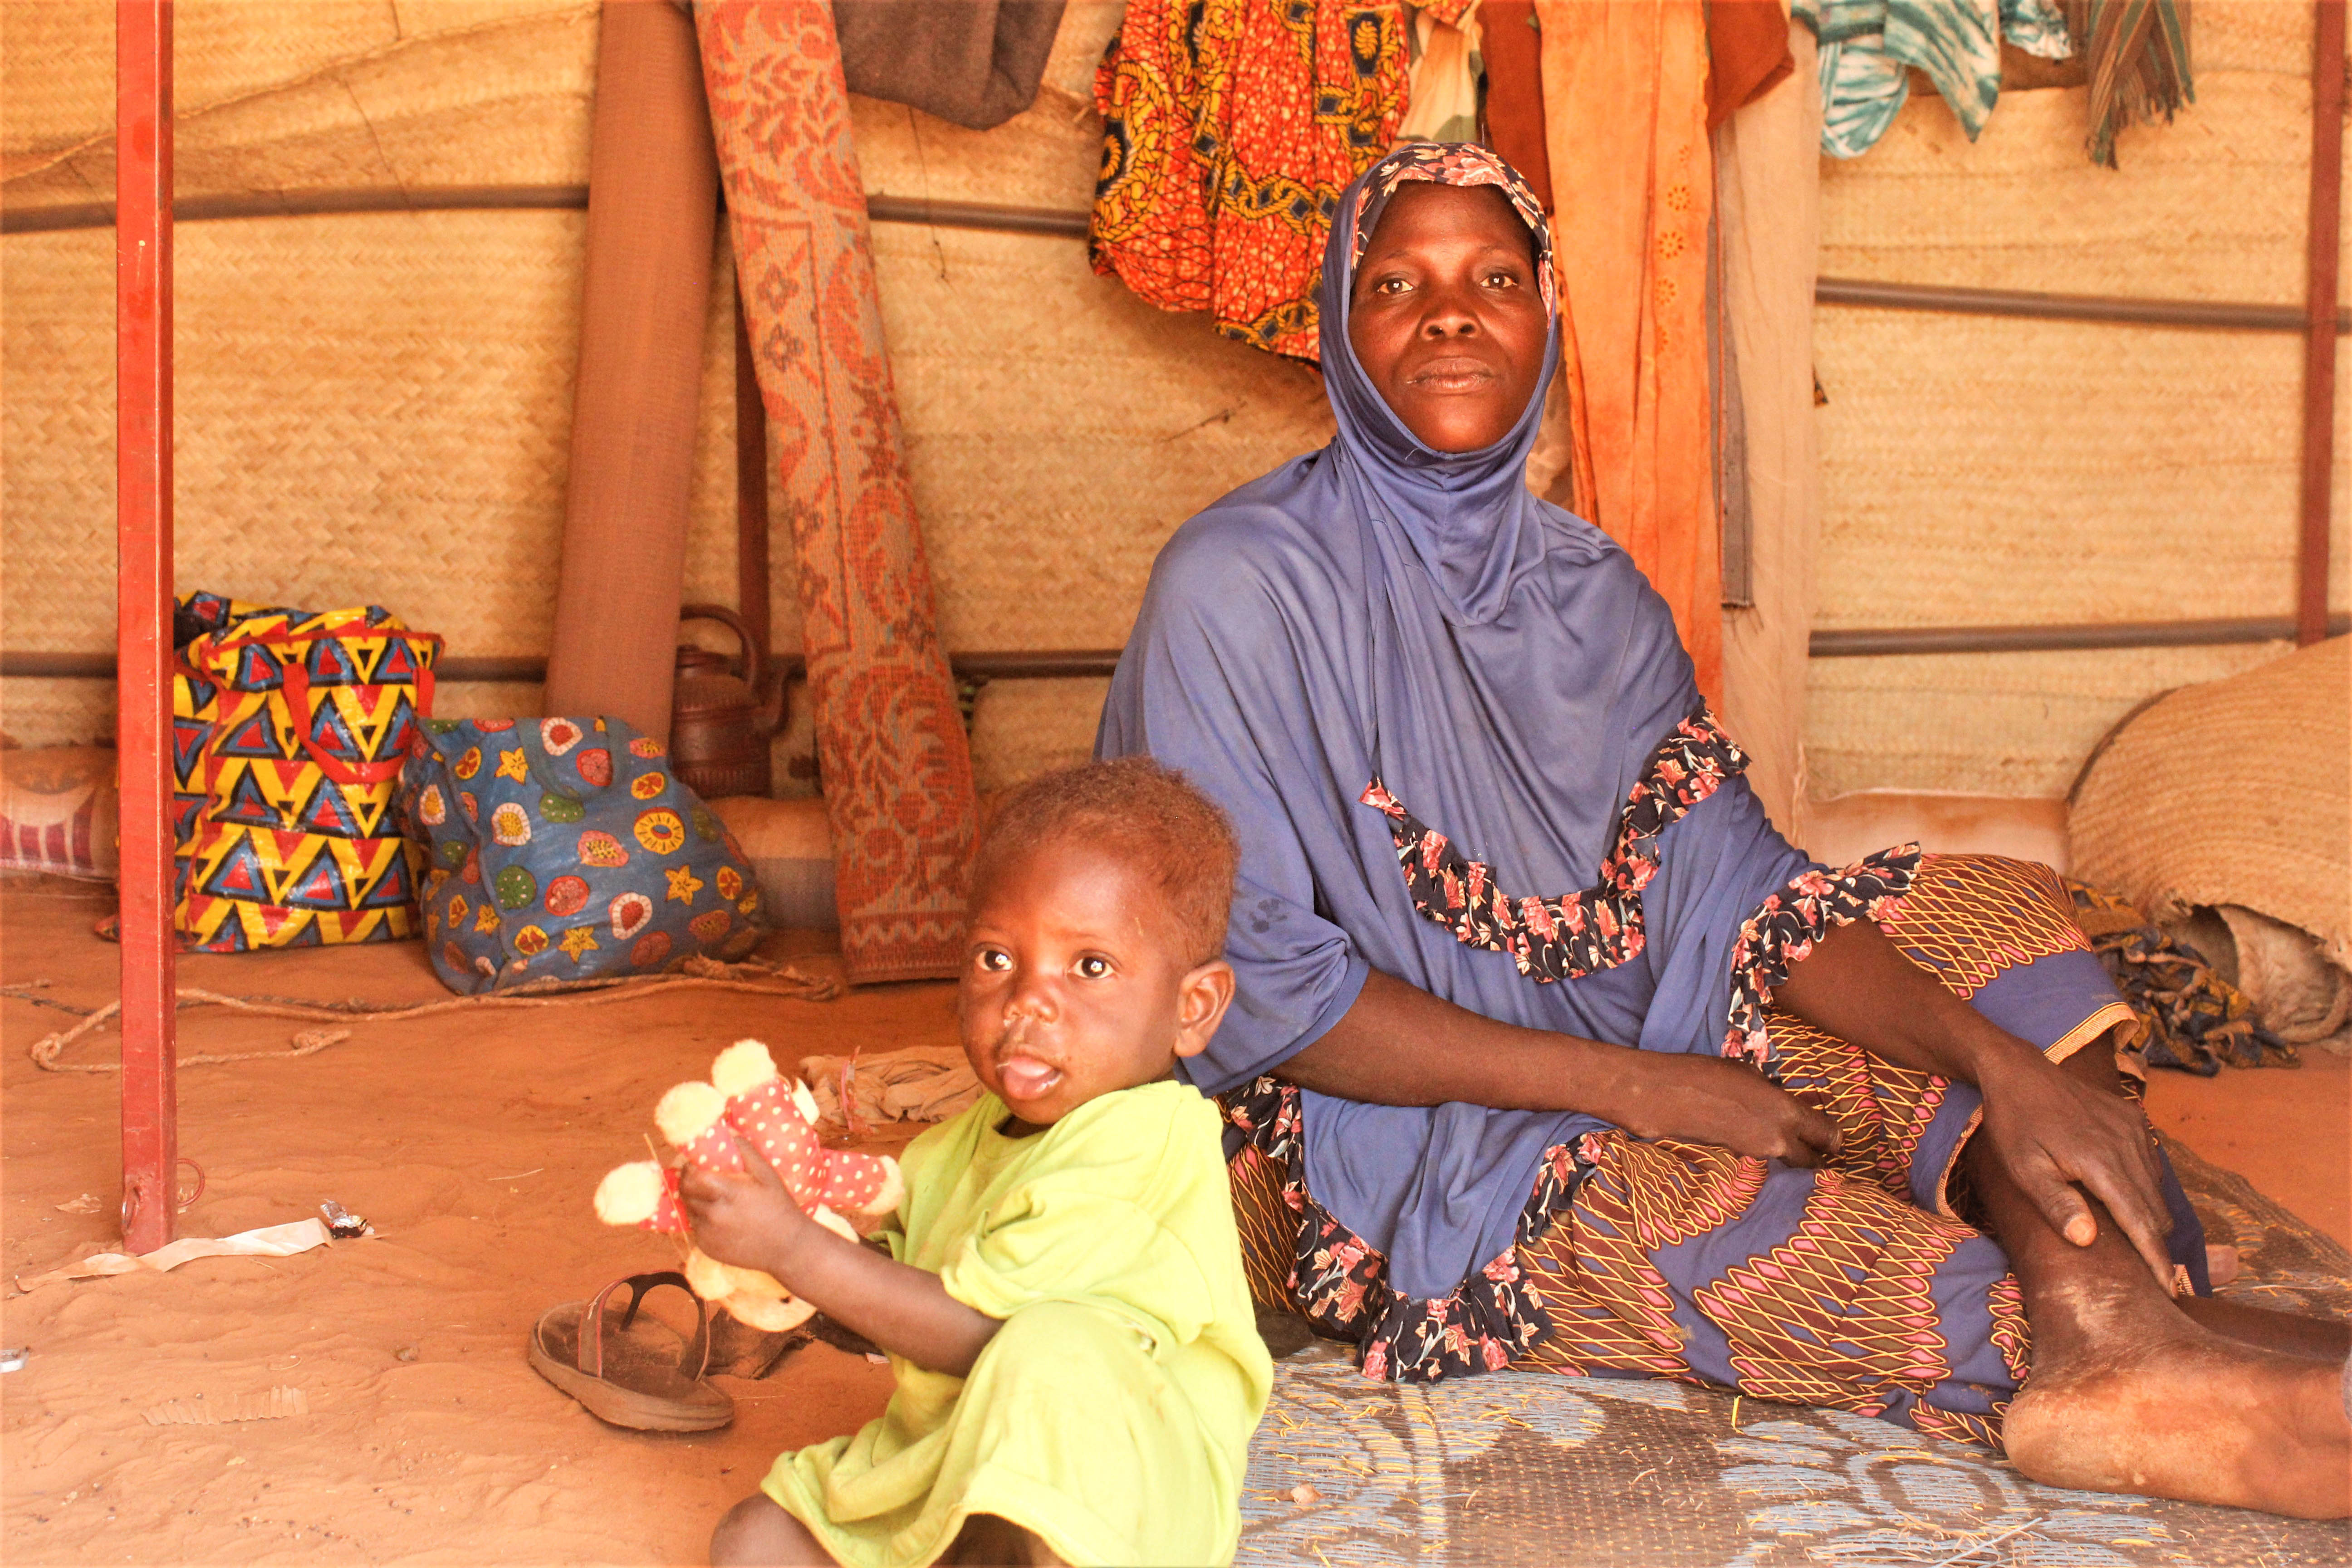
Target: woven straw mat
[
  {"x": 2208, "y": 207},
  {"x": 2234, "y": 792},
  {"x": 1981, "y": 470},
  {"x": 371, "y": 407},
  {"x": 377, "y": 407}
]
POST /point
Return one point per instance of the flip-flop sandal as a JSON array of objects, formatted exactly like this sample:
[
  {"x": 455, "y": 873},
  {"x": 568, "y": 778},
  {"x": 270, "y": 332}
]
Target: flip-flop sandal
[{"x": 626, "y": 1379}]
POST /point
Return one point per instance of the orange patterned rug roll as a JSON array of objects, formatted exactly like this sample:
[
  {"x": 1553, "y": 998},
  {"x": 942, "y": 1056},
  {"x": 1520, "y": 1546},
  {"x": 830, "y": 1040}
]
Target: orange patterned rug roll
[{"x": 890, "y": 741}]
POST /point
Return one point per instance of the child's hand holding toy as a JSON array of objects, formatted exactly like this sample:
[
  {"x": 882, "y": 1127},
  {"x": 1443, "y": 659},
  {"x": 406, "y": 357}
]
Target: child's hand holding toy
[{"x": 794, "y": 1180}]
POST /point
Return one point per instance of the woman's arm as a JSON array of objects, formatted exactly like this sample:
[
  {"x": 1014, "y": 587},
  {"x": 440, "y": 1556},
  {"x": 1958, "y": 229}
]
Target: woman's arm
[
  {"x": 1401, "y": 1046},
  {"x": 751, "y": 1222},
  {"x": 2052, "y": 1130}
]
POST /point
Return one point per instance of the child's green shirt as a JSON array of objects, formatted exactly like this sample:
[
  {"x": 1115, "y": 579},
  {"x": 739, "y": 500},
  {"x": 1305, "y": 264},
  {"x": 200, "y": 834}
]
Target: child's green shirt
[{"x": 1111, "y": 1415}]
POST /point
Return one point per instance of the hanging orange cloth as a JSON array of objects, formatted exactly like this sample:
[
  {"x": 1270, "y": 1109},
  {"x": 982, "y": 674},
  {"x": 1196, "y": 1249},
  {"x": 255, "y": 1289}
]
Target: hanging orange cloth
[
  {"x": 1624, "y": 95},
  {"x": 1748, "y": 54}
]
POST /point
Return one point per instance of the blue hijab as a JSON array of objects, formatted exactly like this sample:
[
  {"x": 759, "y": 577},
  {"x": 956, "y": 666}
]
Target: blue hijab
[{"x": 1381, "y": 610}]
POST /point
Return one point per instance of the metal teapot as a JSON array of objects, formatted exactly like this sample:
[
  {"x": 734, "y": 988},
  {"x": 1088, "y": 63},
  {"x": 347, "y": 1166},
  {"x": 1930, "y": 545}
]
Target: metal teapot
[{"x": 719, "y": 722}]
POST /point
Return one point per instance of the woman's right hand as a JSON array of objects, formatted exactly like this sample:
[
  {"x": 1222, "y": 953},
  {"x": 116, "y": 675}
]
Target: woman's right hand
[
  {"x": 1401, "y": 1046},
  {"x": 1710, "y": 1099}
]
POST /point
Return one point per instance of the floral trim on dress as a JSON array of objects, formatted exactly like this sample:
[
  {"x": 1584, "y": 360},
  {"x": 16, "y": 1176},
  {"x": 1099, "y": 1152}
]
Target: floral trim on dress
[
  {"x": 1782, "y": 931},
  {"x": 1339, "y": 1281},
  {"x": 1578, "y": 933}
]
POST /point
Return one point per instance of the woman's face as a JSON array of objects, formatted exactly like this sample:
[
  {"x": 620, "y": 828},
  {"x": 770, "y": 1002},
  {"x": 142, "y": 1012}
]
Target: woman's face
[{"x": 1447, "y": 318}]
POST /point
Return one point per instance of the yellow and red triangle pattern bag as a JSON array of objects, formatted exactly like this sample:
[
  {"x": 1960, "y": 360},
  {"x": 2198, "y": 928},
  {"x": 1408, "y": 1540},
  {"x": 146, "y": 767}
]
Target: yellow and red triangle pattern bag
[{"x": 288, "y": 730}]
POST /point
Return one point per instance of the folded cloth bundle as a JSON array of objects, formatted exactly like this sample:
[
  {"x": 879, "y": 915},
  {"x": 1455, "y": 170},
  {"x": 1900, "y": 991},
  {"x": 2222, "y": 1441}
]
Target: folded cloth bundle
[
  {"x": 920, "y": 1083},
  {"x": 2196, "y": 1020}
]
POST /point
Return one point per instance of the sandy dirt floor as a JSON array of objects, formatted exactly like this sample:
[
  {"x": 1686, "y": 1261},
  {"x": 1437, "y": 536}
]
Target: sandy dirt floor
[{"x": 473, "y": 1147}]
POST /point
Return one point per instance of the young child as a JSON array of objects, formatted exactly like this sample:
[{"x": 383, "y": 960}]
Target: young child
[{"x": 1078, "y": 1369}]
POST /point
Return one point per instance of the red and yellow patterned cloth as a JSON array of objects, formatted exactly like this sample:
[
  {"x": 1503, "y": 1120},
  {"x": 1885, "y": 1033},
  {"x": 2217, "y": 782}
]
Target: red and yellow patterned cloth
[{"x": 1229, "y": 127}]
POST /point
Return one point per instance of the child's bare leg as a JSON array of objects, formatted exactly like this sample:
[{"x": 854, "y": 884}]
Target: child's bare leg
[
  {"x": 756, "y": 1534},
  {"x": 988, "y": 1541}
]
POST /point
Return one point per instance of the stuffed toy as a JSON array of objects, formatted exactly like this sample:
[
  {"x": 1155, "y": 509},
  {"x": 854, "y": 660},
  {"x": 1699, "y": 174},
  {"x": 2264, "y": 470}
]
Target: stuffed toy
[
  {"x": 748, "y": 1100},
  {"x": 778, "y": 1119}
]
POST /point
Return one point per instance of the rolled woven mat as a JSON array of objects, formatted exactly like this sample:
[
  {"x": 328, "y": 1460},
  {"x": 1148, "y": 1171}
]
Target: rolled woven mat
[
  {"x": 2238, "y": 792},
  {"x": 652, "y": 208}
]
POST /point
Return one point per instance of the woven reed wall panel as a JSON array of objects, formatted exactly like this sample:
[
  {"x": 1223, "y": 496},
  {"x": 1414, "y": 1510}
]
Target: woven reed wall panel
[
  {"x": 1979, "y": 471},
  {"x": 2007, "y": 724},
  {"x": 2210, "y": 206},
  {"x": 2271, "y": 36},
  {"x": 316, "y": 94},
  {"x": 1059, "y": 429},
  {"x": 1023, "y": 728},
  {"x": 370, "y": 408},
  {"x": 57, "y": 713}
]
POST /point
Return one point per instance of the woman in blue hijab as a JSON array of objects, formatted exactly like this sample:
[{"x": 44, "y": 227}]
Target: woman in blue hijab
[{"x": 1867, "y": 1148}]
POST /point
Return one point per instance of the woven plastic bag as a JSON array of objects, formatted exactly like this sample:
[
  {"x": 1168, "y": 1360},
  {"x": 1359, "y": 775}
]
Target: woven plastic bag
[
  {"x": 288, "y": 730},
  {"x": 564, "y": 849}
]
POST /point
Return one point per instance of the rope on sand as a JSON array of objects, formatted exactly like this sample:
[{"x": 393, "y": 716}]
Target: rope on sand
[{"x": 781, "y": 981}]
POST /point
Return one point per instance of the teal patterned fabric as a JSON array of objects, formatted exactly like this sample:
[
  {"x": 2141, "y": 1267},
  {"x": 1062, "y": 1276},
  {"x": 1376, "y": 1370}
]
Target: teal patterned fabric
[
  {"x": 1868, "y": 47},
  {"x": 564, "y": 850}
]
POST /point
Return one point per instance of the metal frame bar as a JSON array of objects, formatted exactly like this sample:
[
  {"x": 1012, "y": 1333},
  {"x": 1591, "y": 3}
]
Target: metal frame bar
[
  {"x": 143, "y": 427},
  {"x": 1867, "y": 642},
  {"x": 1859, "y": 293},
  {"x": 1062, "y": 664},
  {"x": 45, "y": 219},
  {"x": 1019, "y": 664},
  {"x": 2322, "y": 243},
  {"x": 2115, "y": 309}
]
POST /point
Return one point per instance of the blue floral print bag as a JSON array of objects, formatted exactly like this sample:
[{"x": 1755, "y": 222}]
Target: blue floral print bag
[{"x": 563, "y": 849}]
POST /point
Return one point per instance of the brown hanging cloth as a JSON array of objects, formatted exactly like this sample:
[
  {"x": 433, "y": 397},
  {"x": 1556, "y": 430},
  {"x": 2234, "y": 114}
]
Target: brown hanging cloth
[{"x": 2136, "y": 56}]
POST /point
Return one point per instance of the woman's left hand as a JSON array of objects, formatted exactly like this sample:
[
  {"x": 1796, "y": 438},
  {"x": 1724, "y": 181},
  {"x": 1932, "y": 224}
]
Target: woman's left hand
[
  {"x": 2060, "y": 1133},
  {"x": 2051, "y": 1127}
]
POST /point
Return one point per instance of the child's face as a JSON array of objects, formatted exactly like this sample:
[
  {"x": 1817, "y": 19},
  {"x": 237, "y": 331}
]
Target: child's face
[{"x": 1071, "y": 989}]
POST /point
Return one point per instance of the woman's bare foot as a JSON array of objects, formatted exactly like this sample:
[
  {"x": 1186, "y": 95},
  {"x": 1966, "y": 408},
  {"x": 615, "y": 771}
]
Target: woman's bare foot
[
  {"x": 2127, "y": 1393},
  {"x": 2149, "y": 1402},
  {"x": 2321, "y": 1339}
]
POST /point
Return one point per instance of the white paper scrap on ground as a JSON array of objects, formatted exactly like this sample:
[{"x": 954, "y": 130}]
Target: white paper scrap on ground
[{"x": 269, "y": 1241}]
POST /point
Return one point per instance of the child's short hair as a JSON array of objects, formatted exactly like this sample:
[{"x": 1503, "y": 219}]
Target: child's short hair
[{"x": 1151, "y": 817}]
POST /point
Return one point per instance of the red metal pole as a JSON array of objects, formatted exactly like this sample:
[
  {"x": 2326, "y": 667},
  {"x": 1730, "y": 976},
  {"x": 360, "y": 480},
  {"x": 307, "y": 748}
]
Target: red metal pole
[
  {"x": 2327, "y": 68},
  {"x": 142, "y": 500}
]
